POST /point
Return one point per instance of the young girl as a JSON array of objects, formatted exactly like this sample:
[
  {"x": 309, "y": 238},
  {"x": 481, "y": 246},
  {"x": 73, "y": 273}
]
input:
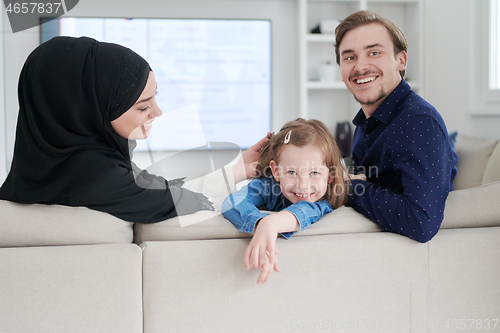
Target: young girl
[{"x": 301, "y": 178}]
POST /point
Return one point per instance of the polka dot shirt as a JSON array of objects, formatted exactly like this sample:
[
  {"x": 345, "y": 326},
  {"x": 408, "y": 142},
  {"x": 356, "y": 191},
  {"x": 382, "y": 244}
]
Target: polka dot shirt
[{"x": 404, "y": 151}]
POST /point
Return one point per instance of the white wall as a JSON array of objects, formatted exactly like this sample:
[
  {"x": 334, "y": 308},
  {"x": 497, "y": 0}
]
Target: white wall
[
  {"x": 3, "y": 162},
  {"x": 451, "y": 57},
  {"x": 282, "y": 13}
]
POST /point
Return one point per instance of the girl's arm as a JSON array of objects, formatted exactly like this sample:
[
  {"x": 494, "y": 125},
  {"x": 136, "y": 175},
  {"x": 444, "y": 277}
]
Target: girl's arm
[
  {"x": 261, "y": 252},
  {"x": 296, "y": 217},
  {"x": 242, "y": 207},
  {"x": 307, "y": 213}
]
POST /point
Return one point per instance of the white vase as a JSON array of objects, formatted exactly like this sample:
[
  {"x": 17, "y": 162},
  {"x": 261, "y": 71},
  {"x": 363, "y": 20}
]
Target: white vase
[{"x": 328, "y": 72}]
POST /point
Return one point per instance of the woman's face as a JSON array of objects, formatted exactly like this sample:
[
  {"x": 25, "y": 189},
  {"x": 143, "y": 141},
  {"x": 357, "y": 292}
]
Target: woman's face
[{"x": 137, "y": 121}]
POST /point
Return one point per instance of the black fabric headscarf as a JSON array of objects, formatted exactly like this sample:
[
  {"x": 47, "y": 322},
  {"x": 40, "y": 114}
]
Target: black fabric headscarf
[{"x": 66, "y": 151}]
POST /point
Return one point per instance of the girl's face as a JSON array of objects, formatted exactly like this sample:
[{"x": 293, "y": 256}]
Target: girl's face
[
  {"x": 302, "y": 173},
  {"x": 137, "y": 121}
]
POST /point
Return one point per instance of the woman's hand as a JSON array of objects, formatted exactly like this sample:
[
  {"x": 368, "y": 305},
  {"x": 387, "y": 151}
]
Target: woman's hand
[{"x": 245, "y": 167}]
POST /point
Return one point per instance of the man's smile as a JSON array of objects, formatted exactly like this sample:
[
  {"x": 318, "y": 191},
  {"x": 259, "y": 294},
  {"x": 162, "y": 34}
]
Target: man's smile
[{"x": 365, "y": 80}]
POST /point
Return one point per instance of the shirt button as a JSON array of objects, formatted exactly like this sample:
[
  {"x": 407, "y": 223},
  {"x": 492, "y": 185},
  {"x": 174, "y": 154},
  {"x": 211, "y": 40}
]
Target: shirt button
[{"x": 367, "y": 135}]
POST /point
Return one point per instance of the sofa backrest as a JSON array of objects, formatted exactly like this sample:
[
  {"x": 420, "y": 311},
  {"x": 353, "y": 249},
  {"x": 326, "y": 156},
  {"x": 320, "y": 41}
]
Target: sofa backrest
[
  {"x": 492, "y": 171},
  {"x": 42, "y": 225},
  {"x": 474, "y": 167}
]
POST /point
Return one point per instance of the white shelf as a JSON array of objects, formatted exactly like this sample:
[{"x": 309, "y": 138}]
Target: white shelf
[
  {"x": 395, "y": 1},
  {"x": 319, "y": 38},
  {"x": 345, "y": 1}
]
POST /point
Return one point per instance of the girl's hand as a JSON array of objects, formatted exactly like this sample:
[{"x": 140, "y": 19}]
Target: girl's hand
[
  {"x": 245, "y": 167},
  {"x": 264, "y": 275},
  {"x": 261, "y": 251}
]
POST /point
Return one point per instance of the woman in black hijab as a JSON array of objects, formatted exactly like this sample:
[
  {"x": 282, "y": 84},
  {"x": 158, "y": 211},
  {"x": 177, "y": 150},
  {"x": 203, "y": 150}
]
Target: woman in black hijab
[{"x": 80, "y": 101}]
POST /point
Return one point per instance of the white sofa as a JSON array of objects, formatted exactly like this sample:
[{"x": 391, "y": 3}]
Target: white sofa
[{"x": 75, "y": 270}]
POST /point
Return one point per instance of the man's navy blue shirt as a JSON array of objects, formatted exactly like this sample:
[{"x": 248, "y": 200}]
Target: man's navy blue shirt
[{"x": 404, "y": 151}]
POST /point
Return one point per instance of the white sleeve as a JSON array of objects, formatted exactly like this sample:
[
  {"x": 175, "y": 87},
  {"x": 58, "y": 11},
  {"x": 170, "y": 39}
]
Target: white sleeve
[{"x": 216, "y": 185}]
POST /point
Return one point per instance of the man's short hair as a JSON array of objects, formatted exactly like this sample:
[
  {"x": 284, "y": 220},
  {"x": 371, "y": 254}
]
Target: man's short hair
[{"x": 364, "y": 17}]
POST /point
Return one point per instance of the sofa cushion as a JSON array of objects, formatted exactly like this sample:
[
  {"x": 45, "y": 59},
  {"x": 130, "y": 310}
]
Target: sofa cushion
[
  {"x": 39, "y": 225},
  {"x": 463, "y": 280},
  {"x": 473, "y": 207},
  {"x": 345, "y": 283},
  {"x": 473, "y": 154},
  {"x": 492, "y": 171},
  {"x": 71, "y": 289},
  {"x": 212, "y": 225}
]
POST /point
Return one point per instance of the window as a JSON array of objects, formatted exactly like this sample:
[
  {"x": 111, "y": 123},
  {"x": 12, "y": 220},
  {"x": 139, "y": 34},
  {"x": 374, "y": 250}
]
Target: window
[
  {"x": 492, "y": 89},
  {"x": 494, "y": 79},
  {"x": 215, "y": 73},
  {"x": 484, "y": 46}
]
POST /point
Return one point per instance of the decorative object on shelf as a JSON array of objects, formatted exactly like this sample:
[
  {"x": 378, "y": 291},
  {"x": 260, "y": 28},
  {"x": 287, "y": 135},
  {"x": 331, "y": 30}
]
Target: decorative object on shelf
[
  {"x": 343, "y": 136},
  {"x": 328, "y": 72},
  {"x": 326, "y": 27}
]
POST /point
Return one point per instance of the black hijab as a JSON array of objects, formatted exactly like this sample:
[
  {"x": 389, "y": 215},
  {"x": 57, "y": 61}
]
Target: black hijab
[{"x": 66, "y": 151}]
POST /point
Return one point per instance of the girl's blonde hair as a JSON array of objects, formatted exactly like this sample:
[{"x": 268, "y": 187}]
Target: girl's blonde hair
[{"x": 306, "y": 132}]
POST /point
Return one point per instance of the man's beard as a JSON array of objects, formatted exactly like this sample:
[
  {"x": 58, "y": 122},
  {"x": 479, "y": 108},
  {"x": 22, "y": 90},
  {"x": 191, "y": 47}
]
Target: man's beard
[{"x": 382, "y": 94}]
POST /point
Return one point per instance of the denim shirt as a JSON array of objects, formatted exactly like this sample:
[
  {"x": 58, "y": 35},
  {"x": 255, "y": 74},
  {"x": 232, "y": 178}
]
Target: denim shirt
[
  {"x": 242, "y": 208},
  {"x": 404, "y": 150}
]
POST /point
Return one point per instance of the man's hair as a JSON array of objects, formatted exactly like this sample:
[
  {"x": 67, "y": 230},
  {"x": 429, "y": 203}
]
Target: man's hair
[
  {"x": 365, "y": 17},
  {"x": 303, "y": 133}
]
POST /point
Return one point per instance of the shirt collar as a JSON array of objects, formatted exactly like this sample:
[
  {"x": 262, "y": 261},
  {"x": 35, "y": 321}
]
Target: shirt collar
[{"x": 389, "y": 107}]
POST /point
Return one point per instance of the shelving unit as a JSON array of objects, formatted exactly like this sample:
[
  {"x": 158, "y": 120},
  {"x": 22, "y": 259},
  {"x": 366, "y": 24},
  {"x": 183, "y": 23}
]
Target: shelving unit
[{"x": 331, "y": 102}]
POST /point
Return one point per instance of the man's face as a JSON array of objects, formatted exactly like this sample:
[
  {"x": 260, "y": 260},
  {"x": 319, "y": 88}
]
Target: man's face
[{"x": 370, "y": 70}]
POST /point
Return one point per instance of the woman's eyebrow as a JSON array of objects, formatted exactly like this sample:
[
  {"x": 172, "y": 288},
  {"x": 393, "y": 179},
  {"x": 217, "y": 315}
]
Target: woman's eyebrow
[
  {"x": 143, "y": 100},
  {"x": 147, "y": 98}
]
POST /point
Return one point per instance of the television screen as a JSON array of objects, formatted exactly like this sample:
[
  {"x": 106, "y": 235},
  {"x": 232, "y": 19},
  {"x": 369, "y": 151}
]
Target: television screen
[{"x": 213, "y": 76}]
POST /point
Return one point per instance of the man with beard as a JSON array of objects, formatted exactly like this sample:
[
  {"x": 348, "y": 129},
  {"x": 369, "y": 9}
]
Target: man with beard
[{"x": 400, "y": 138}]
